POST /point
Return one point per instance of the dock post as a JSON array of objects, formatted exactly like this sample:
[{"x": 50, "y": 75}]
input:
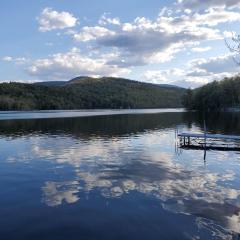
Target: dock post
[{"x": 205, "y": 140}]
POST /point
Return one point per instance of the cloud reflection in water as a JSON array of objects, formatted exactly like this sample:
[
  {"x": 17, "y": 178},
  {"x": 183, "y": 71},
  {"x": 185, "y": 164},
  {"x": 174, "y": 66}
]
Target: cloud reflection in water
[
  {"x": 141, "y": 164},
  {"x": 114, "y": 166}
]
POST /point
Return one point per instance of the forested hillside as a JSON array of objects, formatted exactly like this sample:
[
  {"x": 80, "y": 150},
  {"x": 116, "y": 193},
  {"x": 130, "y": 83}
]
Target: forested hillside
[
  {"x": 88, "y": 93},
  {"x": 215, "y": 96}
]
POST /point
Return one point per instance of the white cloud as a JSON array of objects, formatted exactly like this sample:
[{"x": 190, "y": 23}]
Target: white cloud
[
  {"x": 7, "y": 59},
  {"x": 215, "y": 16},
  {"x": 195, "y": 4},
  {"x": 17, "y": 60},
  {"x": 163, "y": 76},
  {"x": 175, "y": 76},
  {"x": 104, "y": 20},
  {"x": 20, "y": 60},
  {"x": 201, "y": 49},
  {"x": 216, "y": 65},
  {"x": 116, "y": 46},
  {"x": 92, "y": 33},
  {"x": 198, "y": 72},
  {"x": 228, "y": 34},
  {"x": 155, "y": 41},
  {"x": 52, "y": 20},
  {"x": 145, "y": 41},
  {"x": 19, "y": 80},
  {"x": 64, "y": 66}
]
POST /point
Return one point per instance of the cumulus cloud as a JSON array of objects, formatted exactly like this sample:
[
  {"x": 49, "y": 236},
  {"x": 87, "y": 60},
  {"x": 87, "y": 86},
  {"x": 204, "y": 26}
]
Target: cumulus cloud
[
  {"x": 64, "y": 66},
  {"x": 216, "y": 65},
  {"x": 175, "y": 76},
  {"x": 163, "y": 76},
  {"x": 228, "y": 34},
  {"x": 195, "y": 4},
  {"x": 116, "y": 47},
  {"x": 145, "y": 41},
  {"x": 50, "y": 20},
  {"x": 198, "y": 72},
  {"x": 142, "y": 41},
  {"x": 214, "y": 16},
  {"x": 92, "y": 33},
  {"x": 201, "y": 49},
  {"x": 17, "y": 60},
  {"x": 105, "y": 20}
]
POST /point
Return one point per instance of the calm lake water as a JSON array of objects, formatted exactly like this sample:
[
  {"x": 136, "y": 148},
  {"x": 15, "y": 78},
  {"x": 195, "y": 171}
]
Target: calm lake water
[{"x": 116, "y": 177}]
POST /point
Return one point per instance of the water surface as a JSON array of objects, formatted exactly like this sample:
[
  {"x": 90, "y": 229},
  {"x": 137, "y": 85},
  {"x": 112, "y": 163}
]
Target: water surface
[
  {"x": 117, "y": 177},
  {"x": 79, "y": 113}
]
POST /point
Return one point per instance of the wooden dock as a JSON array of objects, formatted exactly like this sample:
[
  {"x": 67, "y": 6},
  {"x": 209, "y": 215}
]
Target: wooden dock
[{"x": 209, "y": 141}]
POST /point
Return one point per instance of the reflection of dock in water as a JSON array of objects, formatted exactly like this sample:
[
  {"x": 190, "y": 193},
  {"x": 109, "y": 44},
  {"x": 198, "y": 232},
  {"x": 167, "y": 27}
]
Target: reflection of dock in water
[{"x": 209, "y": 141}]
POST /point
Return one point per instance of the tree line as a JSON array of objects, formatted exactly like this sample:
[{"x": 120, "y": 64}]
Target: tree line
[
  {"x": 215, "y": 96},
  {"x": 89, "y": 93}
]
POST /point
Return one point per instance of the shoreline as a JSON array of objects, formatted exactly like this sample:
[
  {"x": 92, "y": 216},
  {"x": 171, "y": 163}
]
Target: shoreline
[{"x": 45, "y": 114}]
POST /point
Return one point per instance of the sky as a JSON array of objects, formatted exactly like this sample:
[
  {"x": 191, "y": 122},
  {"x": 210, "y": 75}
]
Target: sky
[{"x": 181, "y": 42}]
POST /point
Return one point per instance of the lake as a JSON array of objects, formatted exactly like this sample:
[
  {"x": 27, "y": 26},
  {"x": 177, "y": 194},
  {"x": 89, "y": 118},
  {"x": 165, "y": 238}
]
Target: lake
[{"x": 115, "y": 175}]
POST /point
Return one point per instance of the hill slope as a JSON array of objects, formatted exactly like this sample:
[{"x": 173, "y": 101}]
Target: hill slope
[
  {"x": 215, "y": 96},
  {"x": 87, "y": 93}
]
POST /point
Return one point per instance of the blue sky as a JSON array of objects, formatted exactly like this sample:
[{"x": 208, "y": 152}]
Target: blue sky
[{"x": 178, "y": 42}]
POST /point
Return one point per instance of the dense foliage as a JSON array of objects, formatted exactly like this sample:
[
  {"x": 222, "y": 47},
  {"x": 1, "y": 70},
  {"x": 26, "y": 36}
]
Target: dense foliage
[
  {"x": 215, "y": 96},
  {"x": 88, "y": 93}
]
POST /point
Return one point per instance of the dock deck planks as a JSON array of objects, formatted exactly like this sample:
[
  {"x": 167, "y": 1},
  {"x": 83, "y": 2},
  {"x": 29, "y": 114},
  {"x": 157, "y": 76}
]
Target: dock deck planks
[
  {"x": 209, "y": 141},
  {"x": 209, "y": 136}
]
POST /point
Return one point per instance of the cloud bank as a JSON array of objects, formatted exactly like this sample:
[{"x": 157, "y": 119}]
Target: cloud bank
[{"x": 114, "y": 47}]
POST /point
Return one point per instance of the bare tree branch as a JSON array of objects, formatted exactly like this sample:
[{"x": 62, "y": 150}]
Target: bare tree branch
[{"x": 234, "y": 47}]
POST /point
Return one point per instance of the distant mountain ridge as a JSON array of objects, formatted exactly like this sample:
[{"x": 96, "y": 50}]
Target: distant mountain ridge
[
  {"x": 89, "y": 93},
  {"x": 84, "y": 78}
]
